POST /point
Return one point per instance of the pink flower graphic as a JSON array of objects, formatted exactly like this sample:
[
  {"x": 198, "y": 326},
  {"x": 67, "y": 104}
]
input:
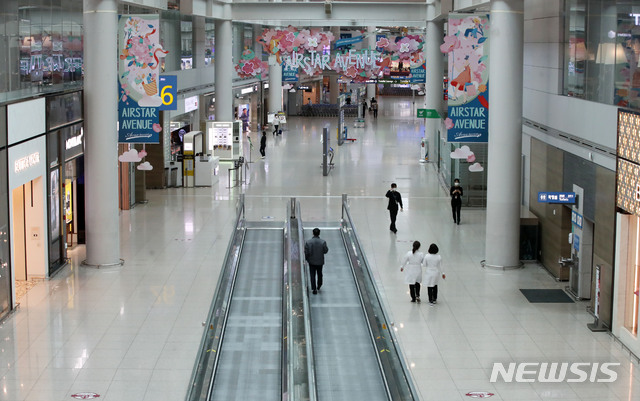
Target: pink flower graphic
[
  {"x": 351, "y": 72},
  {"x": 451, "y": 42},
  {"x": 157, "y": 127},
  {"x": 382, "y": 43},
  {"x": 448, "y": 123},
  {"x": 247, "y": 69}
]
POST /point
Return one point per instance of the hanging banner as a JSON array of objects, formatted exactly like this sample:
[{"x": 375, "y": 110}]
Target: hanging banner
[
  {"x": 418, "y": 75},
  {"x": 289, "y": 73},
  {"x": 138, "y": 77},
  {"x": 468, "y": 92}
]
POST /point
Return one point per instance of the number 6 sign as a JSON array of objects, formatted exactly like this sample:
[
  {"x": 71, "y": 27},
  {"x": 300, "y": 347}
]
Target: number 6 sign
[{"x": 168, "y": 92}]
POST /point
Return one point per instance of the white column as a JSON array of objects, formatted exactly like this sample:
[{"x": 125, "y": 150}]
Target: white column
[
  {"x": 101, "y": 142},
  {"x": 223, "y": 71},
  {"x": 275, "y": 85},
  {"x": 433, "y": 85},
  {"x": 371, "y": 41},
  {"x": 505, "y": 133}
]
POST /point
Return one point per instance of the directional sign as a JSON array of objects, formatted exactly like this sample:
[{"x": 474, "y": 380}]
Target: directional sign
[
  {"x": 557, "y": 197},
  {"x": 428, "y": 113}
]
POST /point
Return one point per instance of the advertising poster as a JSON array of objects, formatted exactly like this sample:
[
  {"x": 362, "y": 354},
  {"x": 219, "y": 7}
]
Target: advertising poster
[
  {"x": 54, "y": 212},
  {"x": 68, "y": 206},
  {"x": 418, "y": 74},
  {"x": 139, "y": 53},
  {"x": 467, "y": 46},
  {"x": 289, "y": 73}
]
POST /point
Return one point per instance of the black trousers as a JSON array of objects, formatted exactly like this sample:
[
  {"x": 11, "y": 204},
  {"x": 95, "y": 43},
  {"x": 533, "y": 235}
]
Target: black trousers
[
  {"x": 433, "y": 293},
  {"x": 375, "y": 113},
  {"x": 393, "y": 213},
  {"x": 262, "y": 151},
  {"x": 414, "y": 291},
  {"x": 455, "y": 210},
  {"x": 313, "y": 270},
  {"x": 275, "y": 129}
]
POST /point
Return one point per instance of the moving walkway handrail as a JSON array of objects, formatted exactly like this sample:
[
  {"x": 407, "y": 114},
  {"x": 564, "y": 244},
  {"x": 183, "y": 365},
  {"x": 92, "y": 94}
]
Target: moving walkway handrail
[
  {"x": 298, "y": 364},
  {"x": 202, "y": 378},
  {"x": 396, "y": 373}
]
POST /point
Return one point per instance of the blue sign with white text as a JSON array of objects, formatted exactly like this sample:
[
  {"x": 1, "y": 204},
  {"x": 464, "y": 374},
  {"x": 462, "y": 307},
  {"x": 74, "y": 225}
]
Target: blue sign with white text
[
  {"x": 349, "y": 41},
  {"x": 576, "y": 218},
  {"x": 418, "y": 75},
  {"x": 289, "y": 74},
  {"x": 576, "y": 242},
  {"x": 469, "y": 122},
  {"x": 557, "y": 197}
]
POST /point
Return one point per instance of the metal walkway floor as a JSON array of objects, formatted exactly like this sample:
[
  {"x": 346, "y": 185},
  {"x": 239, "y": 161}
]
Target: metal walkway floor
[
  {"x": 345, "y": 360},
  {"x": 250, "y": 357}
]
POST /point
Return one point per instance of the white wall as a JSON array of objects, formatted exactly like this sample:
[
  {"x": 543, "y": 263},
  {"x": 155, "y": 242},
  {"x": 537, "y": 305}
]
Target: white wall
[{"x": 26, "y": 120}]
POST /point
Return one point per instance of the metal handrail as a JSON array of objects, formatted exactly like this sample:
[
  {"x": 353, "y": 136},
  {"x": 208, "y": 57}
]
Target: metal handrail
[
  {"x": 202, "y": 377},
  {"x": 390, "y": 358},
  {"x": 298, "y": 363},
  {"x": 306, "y": 308}
]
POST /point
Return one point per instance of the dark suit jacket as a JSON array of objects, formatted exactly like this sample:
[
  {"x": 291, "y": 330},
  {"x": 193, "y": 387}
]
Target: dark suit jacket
[{"x": 395, "y": 199}]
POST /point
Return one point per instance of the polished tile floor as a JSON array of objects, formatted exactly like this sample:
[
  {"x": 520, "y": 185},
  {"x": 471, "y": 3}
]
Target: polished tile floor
[{"x": 131, "y": 333}]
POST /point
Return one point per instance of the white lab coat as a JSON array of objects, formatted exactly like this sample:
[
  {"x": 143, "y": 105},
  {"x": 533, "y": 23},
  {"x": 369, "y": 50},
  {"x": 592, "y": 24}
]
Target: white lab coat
[
  {"x": 433, "y": 269},
  {"x": 412, "y": 265}
]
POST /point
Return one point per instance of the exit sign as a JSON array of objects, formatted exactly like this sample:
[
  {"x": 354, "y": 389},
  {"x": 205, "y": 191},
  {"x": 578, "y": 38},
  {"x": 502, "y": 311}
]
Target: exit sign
[{"x": 428, "y": 113}]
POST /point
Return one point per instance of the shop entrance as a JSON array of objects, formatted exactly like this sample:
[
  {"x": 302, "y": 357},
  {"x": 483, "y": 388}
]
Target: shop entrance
[{"x": 28, "y": 231}]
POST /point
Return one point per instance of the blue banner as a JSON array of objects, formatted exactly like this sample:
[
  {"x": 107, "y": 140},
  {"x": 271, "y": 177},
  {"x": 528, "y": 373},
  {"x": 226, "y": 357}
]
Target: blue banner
[
  {"x": 137, "y": 124},
  {"x": 469, "y": 122},
  {"x": 418, "y": 75},
  {"x": 289, "y": 74},
  {"x": 349, "y": 41},
  {"x": 557, "y": 197}
]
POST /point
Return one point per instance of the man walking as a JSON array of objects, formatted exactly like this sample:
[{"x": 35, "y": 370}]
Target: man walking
[
  {"x": 263, "y": 143},
  {"x": 314, "y": 251},
  {"x": 395, "y": 199}
]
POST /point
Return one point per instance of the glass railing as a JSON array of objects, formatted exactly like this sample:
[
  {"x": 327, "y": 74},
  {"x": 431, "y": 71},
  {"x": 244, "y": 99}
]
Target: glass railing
[
  {"x": 299, "y": 378},
  {"x": 398, "y": 380},
  {"x": 201, "y": 382}
]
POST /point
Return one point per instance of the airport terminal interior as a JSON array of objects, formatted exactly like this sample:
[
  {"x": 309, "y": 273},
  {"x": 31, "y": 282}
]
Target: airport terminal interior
[{"x": 205, "y": 292}]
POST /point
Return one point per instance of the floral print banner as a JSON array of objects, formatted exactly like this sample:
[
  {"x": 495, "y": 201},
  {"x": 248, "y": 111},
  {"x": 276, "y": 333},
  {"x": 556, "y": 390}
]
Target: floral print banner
[
  {"x": 139, "y": 75},
  {"x": 467, "y": 45},
  {"x": 309, "y": 51}
]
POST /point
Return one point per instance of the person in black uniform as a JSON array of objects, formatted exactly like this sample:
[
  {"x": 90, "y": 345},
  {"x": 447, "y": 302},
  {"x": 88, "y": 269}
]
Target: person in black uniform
[
  {"x": 395, "y": 199},
  {"x": 263, "y": 143},
  {"x": 456, "y": 200},
  {"x": 314, "y": 251}
]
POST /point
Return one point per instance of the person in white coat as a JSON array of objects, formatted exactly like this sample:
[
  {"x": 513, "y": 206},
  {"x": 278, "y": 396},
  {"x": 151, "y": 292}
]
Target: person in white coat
[
  {"x": 412, "y": 268},
  {"x": 432, "y": 272}
]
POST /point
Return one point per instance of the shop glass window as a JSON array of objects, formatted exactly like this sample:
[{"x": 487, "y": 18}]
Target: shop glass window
[
  {"x": 602, "y": 51},
  {"x": 40, "y": 46},
  {"x": 210, "y": 41},
  {"x": 186, "y": 42}
]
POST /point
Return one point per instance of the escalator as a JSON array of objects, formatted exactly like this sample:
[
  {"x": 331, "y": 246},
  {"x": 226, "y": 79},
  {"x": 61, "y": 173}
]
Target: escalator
[{"x": 267, "y": 338}]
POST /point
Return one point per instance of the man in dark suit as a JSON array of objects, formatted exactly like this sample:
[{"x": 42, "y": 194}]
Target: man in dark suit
[
  {"x": 314, "y": 251},
  {"x": 395, "y": 199}
]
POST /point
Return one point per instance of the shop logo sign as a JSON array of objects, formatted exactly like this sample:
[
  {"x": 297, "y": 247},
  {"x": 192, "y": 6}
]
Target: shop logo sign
[
  {"x": 576, "y": 372},
  {"x": 25, "y": 162},
  {"x": 73, "y": 141}
]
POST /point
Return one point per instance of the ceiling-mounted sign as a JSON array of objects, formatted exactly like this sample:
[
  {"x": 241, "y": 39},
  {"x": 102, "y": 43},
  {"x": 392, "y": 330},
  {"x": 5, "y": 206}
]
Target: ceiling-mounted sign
[{"x": 557, "y": 197}]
